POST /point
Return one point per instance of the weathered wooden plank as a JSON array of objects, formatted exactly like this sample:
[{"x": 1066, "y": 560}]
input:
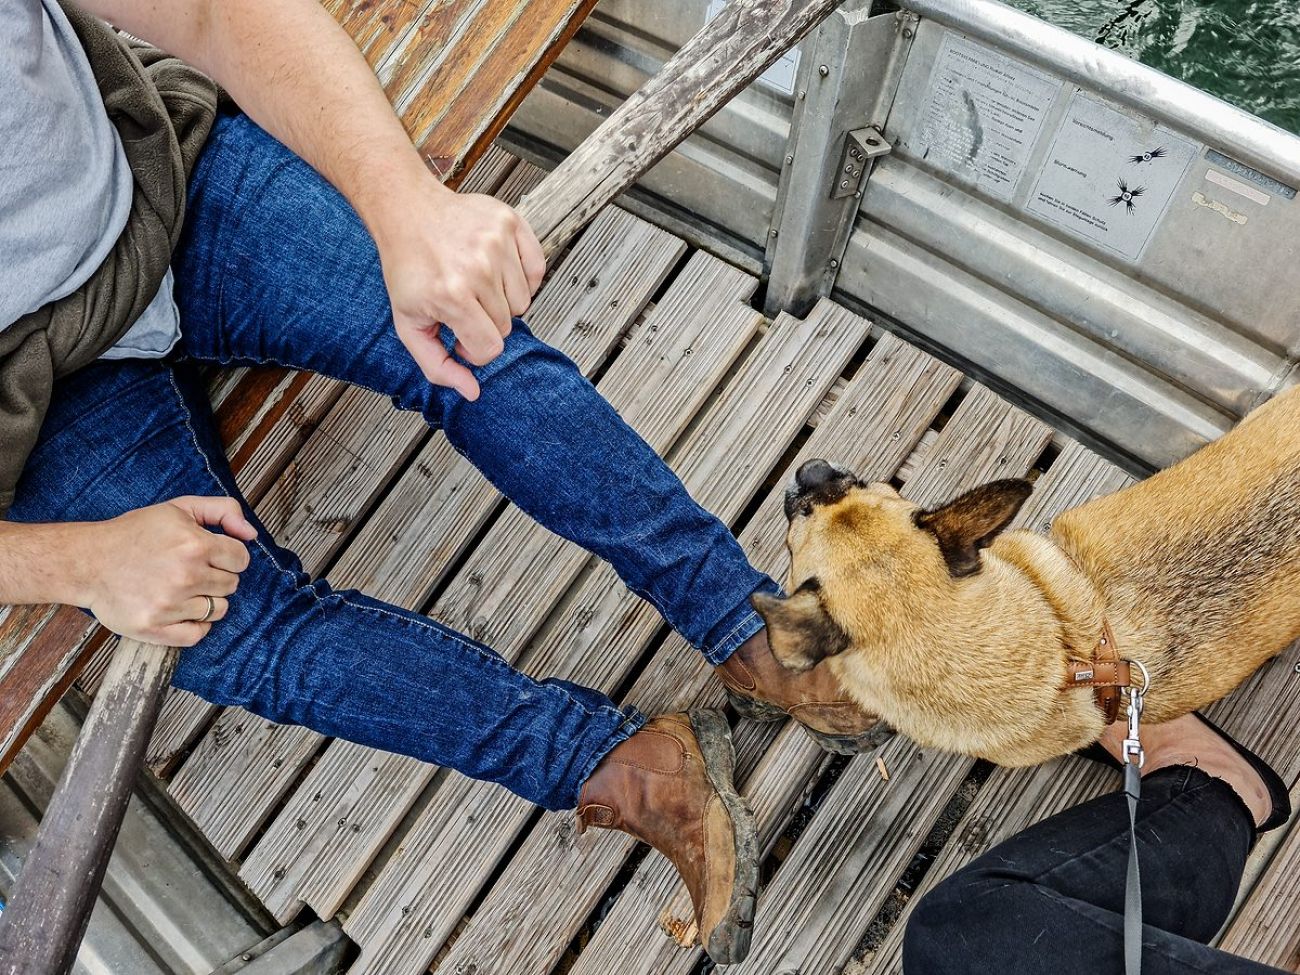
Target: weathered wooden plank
[
  {"x": 227, "y": 786},
  {"x": 598, "y": 292},
  {"x": 427, "y": 885},
  {"x": 272, "y": 427},
  {"x": 42, "y": 650},
  {"x": 731, "y": 50},
  {"x": 466, "y": 109},
  {"x": 1076, "y": 476},
  {"x": 43, "y": 923}
]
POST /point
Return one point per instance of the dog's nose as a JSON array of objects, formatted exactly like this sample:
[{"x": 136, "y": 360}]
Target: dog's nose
[{"x": 814, "y": 474}]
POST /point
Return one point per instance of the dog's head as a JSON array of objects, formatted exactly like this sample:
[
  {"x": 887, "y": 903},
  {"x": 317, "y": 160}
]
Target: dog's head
[{"x": 864, "y": 560}]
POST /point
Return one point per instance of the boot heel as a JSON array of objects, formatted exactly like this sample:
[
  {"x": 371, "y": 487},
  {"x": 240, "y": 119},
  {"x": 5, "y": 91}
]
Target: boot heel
[
  {"x": 868, "y": 741},
  {"x": 754, "y": 709},
  {"x": 728, "y": 943}
]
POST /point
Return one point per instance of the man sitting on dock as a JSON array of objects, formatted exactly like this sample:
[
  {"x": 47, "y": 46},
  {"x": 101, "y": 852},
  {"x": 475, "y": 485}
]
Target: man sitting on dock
[{"x": 315, "y": 237}]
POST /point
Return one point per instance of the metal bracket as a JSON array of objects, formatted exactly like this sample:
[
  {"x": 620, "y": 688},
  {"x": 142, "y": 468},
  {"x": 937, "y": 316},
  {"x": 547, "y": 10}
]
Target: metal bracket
[
  {"x": 861, "y": 148},
  {"x": 847, "y": 75}
]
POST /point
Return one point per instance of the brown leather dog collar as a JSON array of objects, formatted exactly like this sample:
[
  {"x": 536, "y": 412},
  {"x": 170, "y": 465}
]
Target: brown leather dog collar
[{"x": 1105, "y": 673}]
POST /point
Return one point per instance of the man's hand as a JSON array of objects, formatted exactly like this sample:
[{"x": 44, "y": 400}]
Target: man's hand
[
  {"x": 468, "y": 262},
  {"x": 465, "y": 261},
  {"x": 149, "y": 570}
]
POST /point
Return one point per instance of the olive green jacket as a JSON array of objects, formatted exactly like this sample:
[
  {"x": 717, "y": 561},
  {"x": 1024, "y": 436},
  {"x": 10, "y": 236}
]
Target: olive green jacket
[{"x": 163, "y": 110}]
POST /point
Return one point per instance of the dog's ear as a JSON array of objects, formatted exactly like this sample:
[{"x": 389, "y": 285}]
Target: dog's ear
[
  {"x": 799, "y": 630},
  {"x": 972, "y": 520}
]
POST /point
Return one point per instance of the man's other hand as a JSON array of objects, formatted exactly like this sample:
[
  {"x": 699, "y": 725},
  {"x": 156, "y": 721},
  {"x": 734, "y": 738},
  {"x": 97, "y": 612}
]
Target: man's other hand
[
  {"x": 464, "y": 261},
  {"x": 151, "y": 569}
]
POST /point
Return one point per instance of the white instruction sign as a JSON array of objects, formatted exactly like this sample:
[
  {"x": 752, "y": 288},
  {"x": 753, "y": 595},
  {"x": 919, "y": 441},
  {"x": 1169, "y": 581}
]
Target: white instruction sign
[
  {"x": 1109, "y": 177},
  {"x": 983, "y": 115},
  {"x": 781, "y": 74}
]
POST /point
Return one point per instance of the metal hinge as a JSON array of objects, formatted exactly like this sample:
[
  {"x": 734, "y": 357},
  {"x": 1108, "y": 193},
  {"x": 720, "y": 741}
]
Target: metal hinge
[{"x": 861, "y": 146}]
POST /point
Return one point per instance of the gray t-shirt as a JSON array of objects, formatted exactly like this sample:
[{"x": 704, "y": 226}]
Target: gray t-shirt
[{"x": 65, "y": 186}]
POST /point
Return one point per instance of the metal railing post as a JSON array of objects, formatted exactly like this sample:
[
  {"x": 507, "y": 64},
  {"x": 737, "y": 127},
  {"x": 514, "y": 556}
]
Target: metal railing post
[{"x": 847, "y": 75}]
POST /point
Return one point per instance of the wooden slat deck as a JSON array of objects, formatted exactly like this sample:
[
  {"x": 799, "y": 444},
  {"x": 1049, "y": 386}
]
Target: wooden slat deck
[{"x": 427, "y": 869}]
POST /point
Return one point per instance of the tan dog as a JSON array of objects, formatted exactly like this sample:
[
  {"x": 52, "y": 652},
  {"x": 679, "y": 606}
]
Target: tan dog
[{"x": 960, "y": 635}]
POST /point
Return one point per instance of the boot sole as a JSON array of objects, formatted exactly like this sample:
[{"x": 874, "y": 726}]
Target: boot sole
[
  {"x": 766, "y": 712},
  {"x": 729, "y": 941}
]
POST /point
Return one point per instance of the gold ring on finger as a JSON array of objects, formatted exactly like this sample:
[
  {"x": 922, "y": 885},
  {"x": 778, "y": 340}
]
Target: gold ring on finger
[{"x": 212, "y": 608}]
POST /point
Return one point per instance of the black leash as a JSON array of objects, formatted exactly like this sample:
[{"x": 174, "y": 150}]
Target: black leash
[{"x": 1134, "y": 758}]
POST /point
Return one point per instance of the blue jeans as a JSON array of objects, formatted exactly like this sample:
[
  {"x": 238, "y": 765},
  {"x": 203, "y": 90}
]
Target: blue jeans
[
  {"x": 274, "y": 267},
  {"x": 1050, "y": 900}
]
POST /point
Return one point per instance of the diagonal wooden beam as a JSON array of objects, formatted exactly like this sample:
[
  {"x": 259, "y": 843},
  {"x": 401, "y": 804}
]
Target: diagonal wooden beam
[
  {"x": 42, "y": 926},
  {"x": 732, "y": 49}
]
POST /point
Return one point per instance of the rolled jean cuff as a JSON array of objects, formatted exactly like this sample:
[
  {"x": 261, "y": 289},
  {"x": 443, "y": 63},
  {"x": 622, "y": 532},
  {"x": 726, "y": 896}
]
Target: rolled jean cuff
[
  {"x": 736, "y": 627},
  {"x": 569, "y": 792}
]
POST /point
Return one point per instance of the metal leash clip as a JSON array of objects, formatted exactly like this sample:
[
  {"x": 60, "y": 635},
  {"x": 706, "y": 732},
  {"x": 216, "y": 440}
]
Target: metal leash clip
[
  {"x": 1133, "y": 753},
  {"x": 1134, "y": 759}
]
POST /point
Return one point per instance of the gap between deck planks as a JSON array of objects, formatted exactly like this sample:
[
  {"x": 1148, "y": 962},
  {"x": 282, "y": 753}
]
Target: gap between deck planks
[
  {"x": 229, "y": 789},
  {"x": 599, "y": 636}
]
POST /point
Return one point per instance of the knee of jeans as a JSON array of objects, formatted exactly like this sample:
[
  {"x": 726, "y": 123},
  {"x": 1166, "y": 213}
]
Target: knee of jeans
[
  {"x": 522, "y": 355},
  {"x": 240, "y": 661}
]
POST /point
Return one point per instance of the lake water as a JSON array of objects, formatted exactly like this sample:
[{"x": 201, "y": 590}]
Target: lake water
[{"x": 1247, "y": 53}]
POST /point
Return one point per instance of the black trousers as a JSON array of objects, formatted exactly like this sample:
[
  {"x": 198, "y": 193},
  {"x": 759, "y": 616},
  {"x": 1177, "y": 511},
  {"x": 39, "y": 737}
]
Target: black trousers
[{"x": 1050, "y": 900}]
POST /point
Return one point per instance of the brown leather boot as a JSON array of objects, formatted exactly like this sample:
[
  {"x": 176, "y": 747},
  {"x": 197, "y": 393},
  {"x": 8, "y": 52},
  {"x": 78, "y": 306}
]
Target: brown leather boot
[
  {"x": 670, "y": 785},
  {"x": 761, "y": 689}
]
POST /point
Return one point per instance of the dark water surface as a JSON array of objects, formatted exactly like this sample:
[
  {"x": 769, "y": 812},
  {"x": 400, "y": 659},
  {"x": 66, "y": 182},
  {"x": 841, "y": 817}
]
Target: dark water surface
[{"x": 1247, "y": 53}]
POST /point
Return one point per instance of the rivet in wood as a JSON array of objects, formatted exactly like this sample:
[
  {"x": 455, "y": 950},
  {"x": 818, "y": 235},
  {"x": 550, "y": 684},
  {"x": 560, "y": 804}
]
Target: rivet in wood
[
  {"x": 772, "y": 232},
  {"x": 300, "y": 824},
  {"x": 908, "y": 32},
  {"x": 406, "y": 910},
  {"x": 823, "y": 71},
  {"x": 789, "y": 158},
  {"x": 844, "y": 184},
  {"x": 343, "y": 822},
  {"x": 1297, "y": 668},
  {"x": 834, "y": 263},
  {"x": 278, "y": 873}
]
